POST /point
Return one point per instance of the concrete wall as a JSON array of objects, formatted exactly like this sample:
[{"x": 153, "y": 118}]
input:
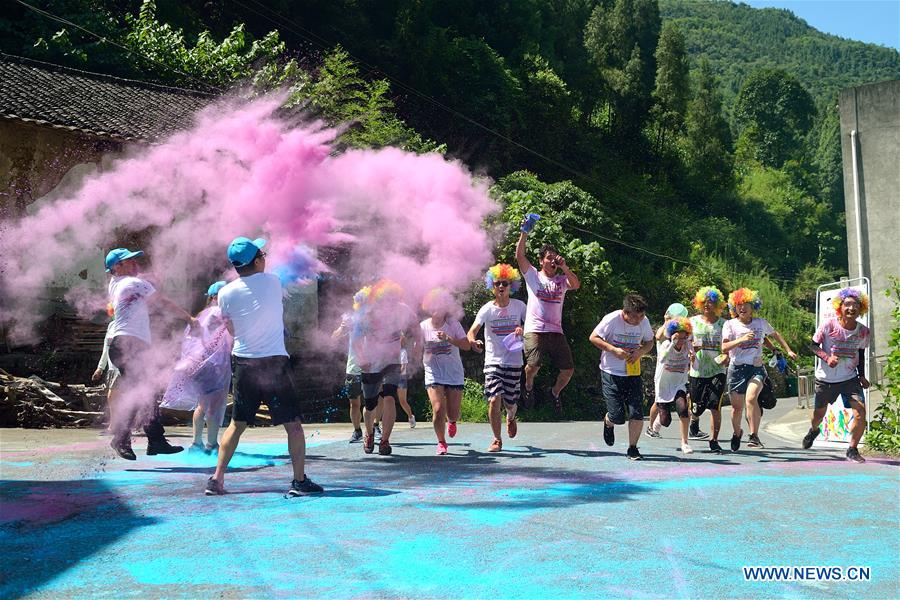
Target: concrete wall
[{"x": 873, "y": 111}]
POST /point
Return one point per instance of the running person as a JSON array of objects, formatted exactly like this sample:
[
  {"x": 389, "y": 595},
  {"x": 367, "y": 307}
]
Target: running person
[
  {"x": 544, "y": 336},
  {"x": 129, "y": 345},
  {"x": 706, "y": 381},
  {"x": 502, "y": 317},
  {"x": 742, "y": 339},
  {"x": 254, "y": 313},
  {"x": 442, "y": 338},
  {"x": 840, "y": 345},
  {"x": 353, "y": 377},
  {"x": 674, "y": 311},
  {"x": 623, "y": 337},
  {"x": 673, "y": 359}
]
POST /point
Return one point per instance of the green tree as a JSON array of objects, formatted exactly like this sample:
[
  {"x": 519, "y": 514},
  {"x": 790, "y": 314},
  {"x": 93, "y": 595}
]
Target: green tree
[
  {"x": 774, "y": 113},
  {"x": 708, "y": 139},
  {"x": 672, "y": 82}
]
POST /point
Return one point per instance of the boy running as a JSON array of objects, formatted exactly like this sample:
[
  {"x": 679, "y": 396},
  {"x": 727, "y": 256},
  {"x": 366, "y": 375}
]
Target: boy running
[
  {"x": 706, "y": 381},
  {"x": 673, "y": 358}
]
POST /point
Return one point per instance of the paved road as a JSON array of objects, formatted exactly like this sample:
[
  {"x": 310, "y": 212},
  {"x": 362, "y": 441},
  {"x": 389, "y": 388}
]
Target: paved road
[{"x": 558, "y": 514}]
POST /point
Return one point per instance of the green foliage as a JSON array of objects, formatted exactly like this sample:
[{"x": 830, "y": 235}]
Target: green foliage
[
  {"x": 672, "y": 83},
  {"x": 884, "y": 432},
  {"x": 472, "y": 409},
  {"x": 708, "y": 139}
]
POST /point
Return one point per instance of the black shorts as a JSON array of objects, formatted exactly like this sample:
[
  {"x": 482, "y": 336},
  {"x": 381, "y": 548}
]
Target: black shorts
[
  {"x": 679, "y": 405},
  {"x": 624, "y": 397},
  {"x": 266, "y": 381},
  {"x": 826, "y": 393},
  {"x": 383, "y": 383},
  {"x": 706, "y": 393},
  {"x": 353, "y": 386}
]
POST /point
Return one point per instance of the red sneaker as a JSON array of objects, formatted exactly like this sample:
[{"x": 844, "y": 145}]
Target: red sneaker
[
  {"x": 451, "y": 429},
  {"x": 369, "y": 444},
  {"x": 441, "y": 448}
]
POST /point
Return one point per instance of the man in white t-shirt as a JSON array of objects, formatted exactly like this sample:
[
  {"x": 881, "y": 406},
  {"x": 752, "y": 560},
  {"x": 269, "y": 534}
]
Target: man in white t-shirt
[
  {"x": 129, "y": 343},
  {"x": 252, "y": 307},
  {"x": 502, "y": 317},
  {"x": 839, "y": 344},
  {"x": 624, "y": 336},
  {"x": 544, "y": 335}
]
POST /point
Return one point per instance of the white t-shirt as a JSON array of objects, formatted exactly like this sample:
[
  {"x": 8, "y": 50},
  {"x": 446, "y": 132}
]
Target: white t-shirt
[
  {"x": 381, "y": 334},
  {"x": 128, "y": 296},
  {"x": 349, "y": 326},
  {"x": 707, "y": 339},
  {"x": 746, "y": 353},
  {"x": 843, "y": 343},
  {"x": 672, "y": 368},
  {"x": 499, "y": 322},
  {"x": 621, "y": 334},
  {"x": 545, "y": 301},
  {"x": 253, "y": 304},
  {"x": 443, "y": 365}
]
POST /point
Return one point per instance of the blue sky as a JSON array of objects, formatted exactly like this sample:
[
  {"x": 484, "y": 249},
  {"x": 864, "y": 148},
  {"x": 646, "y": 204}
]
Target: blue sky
[{"x": 873, "y": 21}]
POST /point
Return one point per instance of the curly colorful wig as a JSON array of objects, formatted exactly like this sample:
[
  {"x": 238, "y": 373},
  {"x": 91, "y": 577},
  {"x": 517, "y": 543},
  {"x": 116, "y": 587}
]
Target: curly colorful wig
[
  {"x": 713, "y": 295},
  {"x": 383, "y": 289},
  {"x": 743, "y": 296},
  {"x": 359, "y": 298},
  {"x": 861, "y": 298},
  {"x": 678, "y": 324},
  {"x": 503, "y": 272}
]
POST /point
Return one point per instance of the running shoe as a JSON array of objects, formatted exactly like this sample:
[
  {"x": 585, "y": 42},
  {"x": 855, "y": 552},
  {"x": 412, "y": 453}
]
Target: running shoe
[
  {"x": 356, "y": 436},
  {"x": 696, "y": 434},
  {"x": 686, "y": 449},
  {"x": 441, "y": 448},
  {"x": 369, "y": 444},
  {"x": 512, "y": 428},
  {"x": 384, "y": 448},
  {"x": 496, "y": 446},
  {"x": 377, "y": 432},
  {"x": 753, "y": 441},
  {"x": 196, "y": 448},
  {"x": 652, "y": 433},
  {"x": 633, "y": 453},
  {"x": 214, "y": 488},
  {"x": 162, "y": 447},
  {"x": 304, "y": 488},
  {"x": 714, "y": 447},
  {"x": 810, "y": 437},
  {"x": 123, "y": 449},
  {"x": 736, "y": 442},
  {"x": 609, "y": 433},
  {"x": 211, "y": 449},
  {"x": 528, "y": 397},
  {"x": 412, "y": 421},
  {"x": 853, "y": 455},
  {"x": 557, "y": 404},
  {"x": 451, "y": 429}
]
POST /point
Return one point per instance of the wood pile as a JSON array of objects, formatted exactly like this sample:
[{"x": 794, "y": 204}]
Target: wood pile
[{"x": 35, "y": 403}]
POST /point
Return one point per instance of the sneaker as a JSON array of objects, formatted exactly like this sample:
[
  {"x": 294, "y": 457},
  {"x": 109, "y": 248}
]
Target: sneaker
[
  {"x": 451, "y": 429},
  {"x": 753, "y": 441},
  {"x": 652, "y": 433},
  {"x": 714, "y": 447},
  {"x": 211, "y": 449},
  {"x": 496, "y": 446},
  {"x": 557, "y": 404},
  {"x": 369, "y": 444},
  {"x": 356, "y": 436},
  {"x": 123, "y": 449},
  {"x": 633, "y": 453},
  {"x": 853, "y": 455},
  {"x": 304, "y": 488},
  {"x": 412, "y": 421},
  {"x": 736, "y": 442},
  {"x": 196, "y": 448},
  {"x": 384, "y": 448},
  {"x": 686, "y": 449},
  {"x": 441, "y": 448},
  {"x": 512, "y": 428},
  {"x": 696, "y": 434},
  {"x": 377, "y": 432},
  {"x": 609, "y": 434},
  {"x": 162, "y": 447},
  {"x": 528, "y": 397},
  {"x": 810, "y": 437},
  {"x": 214, "y": 488}
]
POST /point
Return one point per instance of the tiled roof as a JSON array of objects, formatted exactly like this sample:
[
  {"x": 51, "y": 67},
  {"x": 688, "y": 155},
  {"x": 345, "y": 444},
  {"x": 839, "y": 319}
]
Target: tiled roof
[{"x": 98, "y": 104}]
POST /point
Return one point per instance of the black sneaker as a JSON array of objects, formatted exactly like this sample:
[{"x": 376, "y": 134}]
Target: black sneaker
[
  {"x": 753, "y": 441},
  {"x": 557, "y": 403},
  {"x": 123, "y": 449},
  {"x": 356, "y": 436},
  {"x": 304, "y": 488},
  {"x": 714, "y": 447},
  {"x": 633, "y": 453},
  {"x": 528, "y": 397},
  {"x": 609, "y": 433},
  {"x": 214, "y": 488},
  {"x": 810, "y": 437},
  {"x": 384, "y": 448},
  {"x": 736, "y": 442},
  {"x": 162, "y": 447},
  {"x": 853, "y": 455},
  {"x": 696, "y": 434}
]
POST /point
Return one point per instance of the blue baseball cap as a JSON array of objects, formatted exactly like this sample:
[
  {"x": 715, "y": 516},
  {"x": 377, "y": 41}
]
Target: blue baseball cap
[
  {"x": 214, "y": 288},
  {"x": 118, "y": 255},
  {"x": 242, "y": 251}
]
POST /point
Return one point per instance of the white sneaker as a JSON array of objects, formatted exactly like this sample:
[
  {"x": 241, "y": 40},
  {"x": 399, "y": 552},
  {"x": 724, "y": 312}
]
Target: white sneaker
[
  {"x": 412, "y": 421},
  {"x": 686, "y": 449}
]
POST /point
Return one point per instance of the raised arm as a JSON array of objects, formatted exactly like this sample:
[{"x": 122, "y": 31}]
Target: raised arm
[{"x": 521, "y": 259}]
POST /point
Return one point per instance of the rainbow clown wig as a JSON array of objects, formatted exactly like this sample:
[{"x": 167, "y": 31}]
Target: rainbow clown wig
[
  {"x": 383, "y": 289},
  {"x": 861, "y": 298},
  {"x": 677, "y": 325},
  {"x": 713, "y": 295},
  {"x": 503, "y": 272},
  {"x": 743, "y": 296}
]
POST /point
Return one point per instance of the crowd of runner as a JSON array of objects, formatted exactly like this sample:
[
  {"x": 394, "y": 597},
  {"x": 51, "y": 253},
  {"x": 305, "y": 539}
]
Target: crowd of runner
[{"x": 237, "y": 342}]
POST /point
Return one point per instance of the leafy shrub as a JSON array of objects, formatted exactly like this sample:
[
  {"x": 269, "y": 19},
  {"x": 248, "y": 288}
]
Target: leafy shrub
[{"x": 884, "y": 432}]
